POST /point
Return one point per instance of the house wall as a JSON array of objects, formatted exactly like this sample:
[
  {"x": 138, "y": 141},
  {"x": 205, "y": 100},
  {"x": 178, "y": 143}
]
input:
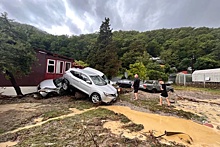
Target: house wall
[{"x": 39, "y": 70}]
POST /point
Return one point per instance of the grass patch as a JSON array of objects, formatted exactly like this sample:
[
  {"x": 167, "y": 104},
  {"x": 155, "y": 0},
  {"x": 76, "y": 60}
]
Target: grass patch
[
  {"x": 2, "y": 130},
  {"x": 81, "y": 104},
  {"x": 188, "y": 88},
  {"x": 53, "y": 113},
  {"x": 105, "y": 114},
  {"x": 133, "y": 127}
]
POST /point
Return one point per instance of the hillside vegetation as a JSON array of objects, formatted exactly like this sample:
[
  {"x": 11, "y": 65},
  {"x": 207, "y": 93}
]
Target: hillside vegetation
[{"x": 178, "y": 49}]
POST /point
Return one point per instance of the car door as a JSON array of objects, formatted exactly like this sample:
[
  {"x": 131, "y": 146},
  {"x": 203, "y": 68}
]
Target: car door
[
  {"x": 85, "y": 83},
  {"x": 75, "y": 80},
  {"x": 157, "y": 85}
]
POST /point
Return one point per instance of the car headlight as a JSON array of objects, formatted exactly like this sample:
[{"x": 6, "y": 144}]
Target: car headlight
[{"x": 106, "y": 94}]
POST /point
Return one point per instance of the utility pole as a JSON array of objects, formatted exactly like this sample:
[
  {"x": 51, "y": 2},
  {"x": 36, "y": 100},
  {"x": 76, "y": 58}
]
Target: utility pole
[{"x": 193, "y": 63}]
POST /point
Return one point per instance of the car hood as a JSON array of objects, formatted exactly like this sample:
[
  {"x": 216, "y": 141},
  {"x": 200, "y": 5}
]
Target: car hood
[
  {"x": 47, "y": 84},
  {"x": 107, "y": 89}
]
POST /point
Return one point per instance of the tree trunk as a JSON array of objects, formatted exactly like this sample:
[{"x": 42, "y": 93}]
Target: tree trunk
[{"x": 14, "y": 83}]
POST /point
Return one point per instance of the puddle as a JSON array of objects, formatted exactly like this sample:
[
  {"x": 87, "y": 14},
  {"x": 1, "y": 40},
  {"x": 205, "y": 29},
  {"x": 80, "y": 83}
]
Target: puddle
[
  {"x": 8, "y": 144},
  {"x": 200, "y": 134},
  {"x": 19, "y": 107},
  {"x": 75, "y": 111}
]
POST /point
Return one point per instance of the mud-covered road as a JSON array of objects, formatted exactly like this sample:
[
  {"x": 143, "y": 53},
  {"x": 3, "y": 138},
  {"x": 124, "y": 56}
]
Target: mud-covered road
[{"x": 195, "y": 120}]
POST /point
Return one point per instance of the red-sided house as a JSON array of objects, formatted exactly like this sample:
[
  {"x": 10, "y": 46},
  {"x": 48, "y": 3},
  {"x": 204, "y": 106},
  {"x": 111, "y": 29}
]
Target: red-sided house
[{"x": 47, "y": 66}]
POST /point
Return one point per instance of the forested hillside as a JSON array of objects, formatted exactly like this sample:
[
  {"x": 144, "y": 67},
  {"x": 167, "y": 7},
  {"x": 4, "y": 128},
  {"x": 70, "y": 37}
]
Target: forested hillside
[{"x": 177, "y": 48}]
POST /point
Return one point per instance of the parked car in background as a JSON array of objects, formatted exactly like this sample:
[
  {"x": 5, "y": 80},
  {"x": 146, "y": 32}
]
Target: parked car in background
[
  {"x": 153, "y": 86},
  {"x": 91, "y": 84},
  {"x": 124, "y": 83},
  {"x": 51, "y": 87}
]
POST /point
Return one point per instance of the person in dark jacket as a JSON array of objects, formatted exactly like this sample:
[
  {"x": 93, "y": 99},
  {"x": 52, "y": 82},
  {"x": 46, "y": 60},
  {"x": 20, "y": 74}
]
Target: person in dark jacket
[
  {"x": 164, "y": 93},
  {"x": 136, "y": 85}
]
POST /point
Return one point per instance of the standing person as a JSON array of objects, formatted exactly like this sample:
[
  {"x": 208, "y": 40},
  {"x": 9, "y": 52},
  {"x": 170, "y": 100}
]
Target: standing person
[
  {"x": 164, "y": 93},
  {"x": 136, "y": 86}
]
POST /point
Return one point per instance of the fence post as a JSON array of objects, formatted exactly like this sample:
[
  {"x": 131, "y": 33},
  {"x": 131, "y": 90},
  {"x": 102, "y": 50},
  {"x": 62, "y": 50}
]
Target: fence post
[
  {"x": 184, "y": 79},
  {"x": 204, "y": 81}
]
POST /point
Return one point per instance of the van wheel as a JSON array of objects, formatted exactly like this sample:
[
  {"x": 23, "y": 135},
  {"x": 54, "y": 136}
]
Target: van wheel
[{"x": 95, "y": 98}]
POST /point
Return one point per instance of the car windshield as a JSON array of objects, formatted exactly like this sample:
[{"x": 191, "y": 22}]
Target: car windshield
[
  {"x": 105, "y": 78},
  {"x": 57, "y": 82},
  {"x": 98, "y": 80}
]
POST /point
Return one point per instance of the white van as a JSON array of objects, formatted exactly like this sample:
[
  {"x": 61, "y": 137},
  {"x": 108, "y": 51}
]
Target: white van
[{"x": 101, "y": 74}]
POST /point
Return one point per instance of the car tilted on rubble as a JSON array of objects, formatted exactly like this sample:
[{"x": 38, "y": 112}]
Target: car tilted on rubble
[
  {"x": 51, "y": 87},
  {"x": 91, "y": 84}
]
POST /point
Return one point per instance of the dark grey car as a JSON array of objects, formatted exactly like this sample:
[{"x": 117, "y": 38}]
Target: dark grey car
[{"x": 153, "y": 86}]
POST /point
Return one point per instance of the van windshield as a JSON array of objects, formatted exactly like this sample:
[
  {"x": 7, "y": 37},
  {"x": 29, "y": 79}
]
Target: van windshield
[{"x": 98, "y": 80}]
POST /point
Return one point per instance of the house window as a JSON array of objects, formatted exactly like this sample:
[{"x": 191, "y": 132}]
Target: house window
[
  {"x": 59, "y": 67},
  {"x": 68, "y": 65},
  {"x": 50, "y": 66}
]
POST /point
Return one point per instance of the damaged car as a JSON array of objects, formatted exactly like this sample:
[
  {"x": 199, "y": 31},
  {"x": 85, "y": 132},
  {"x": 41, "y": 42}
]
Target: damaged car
[
  {"x": 51, "y": 87},
  {"x": 91, "y": 84}
]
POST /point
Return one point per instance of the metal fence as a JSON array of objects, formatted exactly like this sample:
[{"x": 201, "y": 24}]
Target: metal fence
[{"x": 186, "y": 80}]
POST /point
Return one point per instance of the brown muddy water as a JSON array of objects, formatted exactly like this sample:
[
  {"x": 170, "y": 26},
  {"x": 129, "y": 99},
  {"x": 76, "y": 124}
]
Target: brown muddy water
[
  {"x": 8, "y": 144},
  {"x": 198, "y": 135}
]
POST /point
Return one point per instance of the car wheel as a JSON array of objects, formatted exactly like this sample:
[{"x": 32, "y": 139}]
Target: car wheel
[
  {"x": 171, "y": 90},
  {"x": 95, "y": 98},
  {"x": 154, "y": 90},
  {"x": 65, "y": 84}
]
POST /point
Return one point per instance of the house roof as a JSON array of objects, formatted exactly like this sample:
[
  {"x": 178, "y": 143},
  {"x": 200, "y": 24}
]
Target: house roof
[
  {"x": 183, "y": 72},
  {"x": 52, "y": 54},
  {"x": 216, "y": 70}
]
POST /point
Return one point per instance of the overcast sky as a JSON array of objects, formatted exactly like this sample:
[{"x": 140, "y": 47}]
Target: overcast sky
[{"x": 74, "y": 17}]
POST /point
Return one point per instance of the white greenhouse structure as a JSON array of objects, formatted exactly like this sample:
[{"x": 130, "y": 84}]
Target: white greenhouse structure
[{"x": 208, "y": 75}]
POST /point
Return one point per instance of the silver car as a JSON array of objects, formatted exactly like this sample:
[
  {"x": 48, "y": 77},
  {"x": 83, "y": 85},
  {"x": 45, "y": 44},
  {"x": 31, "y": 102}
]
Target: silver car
[
  {"x": 91, "y": 84},
  {"x": 51, "y": 87}
]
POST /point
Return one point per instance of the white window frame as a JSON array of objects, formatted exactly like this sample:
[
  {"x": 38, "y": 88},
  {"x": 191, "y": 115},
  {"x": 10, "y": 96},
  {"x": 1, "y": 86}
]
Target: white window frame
[
  {"x": 58, "y": 66},
  {"x": 66, "y": 64},
  {"x": 48, "y": 64}
]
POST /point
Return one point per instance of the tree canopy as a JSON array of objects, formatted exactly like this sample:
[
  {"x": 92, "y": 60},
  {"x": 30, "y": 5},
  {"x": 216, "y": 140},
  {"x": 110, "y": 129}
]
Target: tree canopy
[
  {"x": 103, "y": 55},
  {"x": 17, "y": 56}
]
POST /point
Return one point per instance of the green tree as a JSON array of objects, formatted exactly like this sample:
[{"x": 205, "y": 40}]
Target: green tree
[
  {"x": 136, "y": 49},
  {"x": 16, "y": 54},
  {"x": 104, "y": 55},
  {"x": 81, "y": 63},
  {"x": 137, "y": 68},
  {"x": 155, "y": 75},
  {"x": 206, "y": 63}
]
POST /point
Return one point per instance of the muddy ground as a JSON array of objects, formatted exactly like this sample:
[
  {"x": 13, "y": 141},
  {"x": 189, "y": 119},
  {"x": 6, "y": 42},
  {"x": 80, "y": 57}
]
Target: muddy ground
[{"x": 75, "y": 121}]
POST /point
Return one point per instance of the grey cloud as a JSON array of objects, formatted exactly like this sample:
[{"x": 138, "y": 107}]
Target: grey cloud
[
  {"x": 191, "y": 13},
  {"x": 141, "y": 15},
  {"x": 73, "y": 27},
  {"x": 40, "y": 12}
]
